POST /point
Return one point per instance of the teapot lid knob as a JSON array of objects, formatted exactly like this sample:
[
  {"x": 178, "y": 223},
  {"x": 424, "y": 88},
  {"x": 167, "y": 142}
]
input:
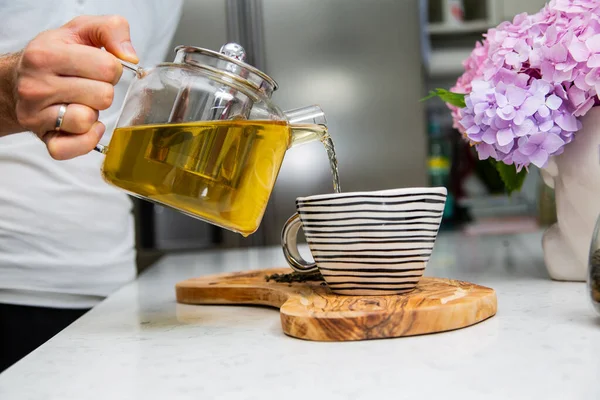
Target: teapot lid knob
[{"x": 233, "y": 50}]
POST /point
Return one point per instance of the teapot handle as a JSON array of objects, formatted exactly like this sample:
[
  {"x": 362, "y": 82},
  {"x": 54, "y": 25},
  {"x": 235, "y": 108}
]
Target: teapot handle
[
  {"x": 100, "y": 148},
  {"x": 139, "y": 73}
]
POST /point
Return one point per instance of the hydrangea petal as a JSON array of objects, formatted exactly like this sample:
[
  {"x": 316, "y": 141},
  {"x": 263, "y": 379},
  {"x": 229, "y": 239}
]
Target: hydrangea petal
[
  {"x": 480, "y": 108},
  {"x": 584, "y": 108},
  {"x": 594, "y": 61},
  {"x": 509, "y": 42},
  {"x": 519, "y": 117},
  {"x": 592, "y": 77},
  {"x": 506, "y": 148},
  {"x": 579, "y": 51},
  {"x": 528, "y": 149},
  {"x": 546, "y": 125},
  {"x": 473, "y": 130},
  {"x": 522, "y": 80},
  {"x": 506, "y": 113},
  {"x": 567, "y": 122},
  {"x": 518, "y": 158},
  {"x": 579, "y": 81},
  {"x": 505, "y": 136},
  {"x": 560, "y": 91},
  {"x": 593, "y": 43},
  {"x": 515, "y": 95},
  {"x": 552, "y": 143},
  {"x": 576, "y": 95},
  {"x": 512, "y": 59},
  {"x": 501, "y": 100},
  {"x": 539, "y": 158},
  {"x": 525, "y": 128},
  {"x": 547, "y": 69},
  {"x": 479, "y": 119},
  {"x": 480, "y": 85},
  {"x": 553, "y": 102},
  {"x": 500, "y": 123},
  {"x": 485, "y": 151},
  {"x": 557, "y": 53},
  {"x": 537, "y": 139},
  {"x": 531, "y": 105},
  {"x": 543, "y": 111},
  {"x": 541, "y": 87},
  {"x": 489, "y": 136},
  {"x": 562, "y": 76},
  {"x": 551, "y": 35}
]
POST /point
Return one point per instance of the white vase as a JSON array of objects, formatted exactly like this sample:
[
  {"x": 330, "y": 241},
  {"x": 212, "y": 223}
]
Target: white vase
[{"x": 575, "y": 177}]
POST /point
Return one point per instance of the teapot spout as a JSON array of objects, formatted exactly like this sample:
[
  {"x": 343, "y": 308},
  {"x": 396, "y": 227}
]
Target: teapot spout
[
  {"x": 307, "y": 124},
  {"x": 306, "y": 115}
]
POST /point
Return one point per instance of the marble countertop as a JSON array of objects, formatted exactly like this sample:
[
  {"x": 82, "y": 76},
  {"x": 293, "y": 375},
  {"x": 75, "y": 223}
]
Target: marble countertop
[{"x": 544, "y": 342}]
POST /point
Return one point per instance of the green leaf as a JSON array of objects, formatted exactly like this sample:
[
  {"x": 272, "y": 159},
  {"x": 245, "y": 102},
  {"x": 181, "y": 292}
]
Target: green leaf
[
  {"x": 513, "y": 180},
  {"x": 456, "y": 99}
]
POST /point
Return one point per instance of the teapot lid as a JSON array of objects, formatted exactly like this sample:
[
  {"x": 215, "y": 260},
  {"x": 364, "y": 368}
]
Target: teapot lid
[{"x": 228, "y": 62}]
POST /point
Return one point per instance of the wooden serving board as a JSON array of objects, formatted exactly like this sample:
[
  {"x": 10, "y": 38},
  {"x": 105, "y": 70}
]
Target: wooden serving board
[{"x": 309, "y": 310}]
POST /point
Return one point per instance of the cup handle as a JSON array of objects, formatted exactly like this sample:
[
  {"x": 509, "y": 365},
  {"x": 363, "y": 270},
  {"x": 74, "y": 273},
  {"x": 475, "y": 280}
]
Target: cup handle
[{"x": 289, "y": 243}]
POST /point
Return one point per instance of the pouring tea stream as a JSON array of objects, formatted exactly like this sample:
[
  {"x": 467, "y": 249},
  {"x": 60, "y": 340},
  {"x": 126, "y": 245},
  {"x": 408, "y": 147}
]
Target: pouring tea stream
[{"x": 201, "y": 135}]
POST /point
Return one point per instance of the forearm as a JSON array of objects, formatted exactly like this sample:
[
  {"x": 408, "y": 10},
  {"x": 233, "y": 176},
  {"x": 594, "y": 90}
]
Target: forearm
[{"x": 8, "y": 117}]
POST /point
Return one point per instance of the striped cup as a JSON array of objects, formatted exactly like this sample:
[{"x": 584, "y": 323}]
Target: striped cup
[{"x": 367, "y": 243}]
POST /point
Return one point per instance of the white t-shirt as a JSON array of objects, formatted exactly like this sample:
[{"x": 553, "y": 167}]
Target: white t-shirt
[{"x": 66, "y": 236}]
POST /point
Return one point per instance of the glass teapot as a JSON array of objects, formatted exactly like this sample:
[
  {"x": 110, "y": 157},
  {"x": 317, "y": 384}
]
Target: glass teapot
[{"x": 201, "y": 135}]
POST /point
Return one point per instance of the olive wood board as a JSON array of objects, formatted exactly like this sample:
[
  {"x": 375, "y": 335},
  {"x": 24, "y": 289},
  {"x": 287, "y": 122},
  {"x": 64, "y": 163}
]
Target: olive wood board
[{"x": 309, "y": 310}]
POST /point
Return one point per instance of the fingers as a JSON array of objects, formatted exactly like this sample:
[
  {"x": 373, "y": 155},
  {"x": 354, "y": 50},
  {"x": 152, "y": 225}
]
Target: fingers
[
  {"x": 110, "y": 32},
  {"x": 37, "y": 108},
  {"x": 63, "y": 146},
  {"x": 88, "y": 62},
  {"x": 68, "y": 66},
  {"x": 94, "y": 94},
  {"x": 35, "y": 94},
  {"x": 78, "y": 119}
]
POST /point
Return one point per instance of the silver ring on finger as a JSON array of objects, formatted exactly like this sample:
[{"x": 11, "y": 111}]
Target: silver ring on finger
[{"x": 61, "y": 116}]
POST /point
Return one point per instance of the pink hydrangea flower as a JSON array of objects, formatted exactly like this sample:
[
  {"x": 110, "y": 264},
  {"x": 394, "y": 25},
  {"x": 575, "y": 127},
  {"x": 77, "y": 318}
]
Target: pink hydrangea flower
[
  {"x": 529, "y": 81},
  {"x": 473, "y": 69}
]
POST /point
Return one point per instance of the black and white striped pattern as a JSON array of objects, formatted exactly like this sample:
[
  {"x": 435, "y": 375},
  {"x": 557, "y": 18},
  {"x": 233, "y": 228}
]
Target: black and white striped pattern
[{"x": 372, "y": 243}]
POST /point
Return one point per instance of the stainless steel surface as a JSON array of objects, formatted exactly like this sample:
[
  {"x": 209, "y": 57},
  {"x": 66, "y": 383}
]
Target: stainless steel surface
[
  {"x": 245, "y": 26},
  {"x": 361, "y": 62},
  {"x": 177, "y": 231}
]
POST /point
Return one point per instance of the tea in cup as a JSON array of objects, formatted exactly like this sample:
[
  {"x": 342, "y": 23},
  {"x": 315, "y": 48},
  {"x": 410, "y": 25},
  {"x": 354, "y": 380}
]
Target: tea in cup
[{"x": 367, "y": 243}]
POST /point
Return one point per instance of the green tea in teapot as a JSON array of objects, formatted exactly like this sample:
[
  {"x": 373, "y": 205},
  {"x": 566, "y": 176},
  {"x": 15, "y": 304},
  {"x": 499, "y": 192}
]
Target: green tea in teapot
[
  {"x": 228, "y": 167},
  {"x": 221, "y": 171}
]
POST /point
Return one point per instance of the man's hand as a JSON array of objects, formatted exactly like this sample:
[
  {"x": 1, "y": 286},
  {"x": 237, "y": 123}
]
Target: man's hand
[{"x": 68, "y": 66}]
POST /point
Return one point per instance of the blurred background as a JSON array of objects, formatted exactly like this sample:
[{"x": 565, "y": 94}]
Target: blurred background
[{"x": 366, "y": 63}]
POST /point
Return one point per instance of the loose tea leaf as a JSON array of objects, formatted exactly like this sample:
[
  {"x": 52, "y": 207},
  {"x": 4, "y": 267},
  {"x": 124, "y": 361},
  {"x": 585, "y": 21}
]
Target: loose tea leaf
[{"x": 295, "y": 277}]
